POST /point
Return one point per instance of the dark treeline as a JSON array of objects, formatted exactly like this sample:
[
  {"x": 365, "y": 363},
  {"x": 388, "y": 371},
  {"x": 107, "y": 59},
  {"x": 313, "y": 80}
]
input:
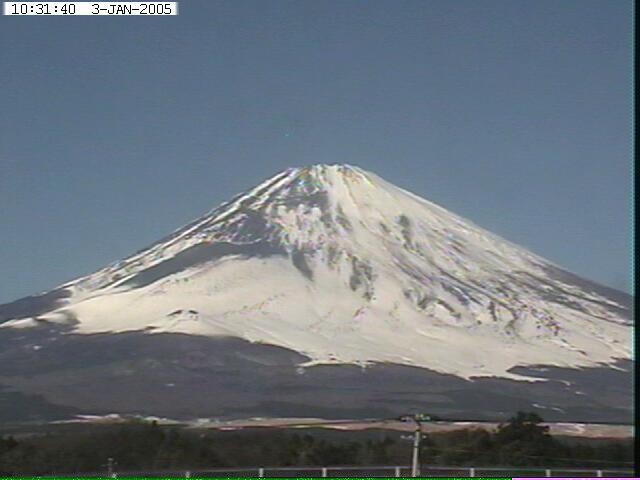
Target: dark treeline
[{"x": 146, "y": 446}]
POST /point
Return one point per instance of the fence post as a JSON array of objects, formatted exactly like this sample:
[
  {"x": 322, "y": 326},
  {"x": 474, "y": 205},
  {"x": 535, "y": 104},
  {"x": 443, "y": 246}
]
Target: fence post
[
  {"x": 324, "y": 472},
  {"x": 397, "y": 472},
  {"x": 599, "y": 473},
  {"x": 472, "y": 472},
  {"x": 547, "y": 472}
]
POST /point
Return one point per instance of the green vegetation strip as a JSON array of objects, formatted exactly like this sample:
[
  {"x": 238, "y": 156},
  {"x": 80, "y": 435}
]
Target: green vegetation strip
[{"x": 521, "y": 447}]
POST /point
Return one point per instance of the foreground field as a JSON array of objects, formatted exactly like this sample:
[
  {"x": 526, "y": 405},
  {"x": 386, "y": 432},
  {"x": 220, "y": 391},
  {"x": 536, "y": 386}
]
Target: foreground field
[{"x": 523, "y": 445}]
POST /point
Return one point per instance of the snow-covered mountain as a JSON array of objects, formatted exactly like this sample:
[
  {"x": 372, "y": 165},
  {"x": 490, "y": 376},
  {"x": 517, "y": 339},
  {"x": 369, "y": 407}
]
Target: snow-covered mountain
[{"x": 338, "y": 265}]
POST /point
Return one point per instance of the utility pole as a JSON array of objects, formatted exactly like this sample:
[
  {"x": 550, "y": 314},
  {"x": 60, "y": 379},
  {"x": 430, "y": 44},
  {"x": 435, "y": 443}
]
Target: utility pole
[
  {"x": 417, "y": 419},
  {"x": 415, "y": 464}
]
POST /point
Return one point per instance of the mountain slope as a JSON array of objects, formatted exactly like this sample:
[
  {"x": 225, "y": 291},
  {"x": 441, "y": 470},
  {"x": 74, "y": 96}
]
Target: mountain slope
[{"x": 342, "y": 267}]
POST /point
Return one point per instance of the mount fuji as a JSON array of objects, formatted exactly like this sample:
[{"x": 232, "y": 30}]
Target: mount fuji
[{"x": 323, "y": 291}]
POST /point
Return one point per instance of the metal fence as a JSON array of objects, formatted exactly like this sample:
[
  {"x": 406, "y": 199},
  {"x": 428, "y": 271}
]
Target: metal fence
[{"x": 370, "y": 471}]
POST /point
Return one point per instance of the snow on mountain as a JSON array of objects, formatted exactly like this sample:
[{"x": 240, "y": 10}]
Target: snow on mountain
[{"x": 338, "y": 264}]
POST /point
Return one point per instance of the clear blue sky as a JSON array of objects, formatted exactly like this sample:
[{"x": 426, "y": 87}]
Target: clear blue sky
[{"x": 115, "y": 131}]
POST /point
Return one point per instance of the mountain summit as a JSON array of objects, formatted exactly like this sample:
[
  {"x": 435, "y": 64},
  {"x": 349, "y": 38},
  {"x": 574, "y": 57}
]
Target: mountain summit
[{"x": 335, "y": 263}]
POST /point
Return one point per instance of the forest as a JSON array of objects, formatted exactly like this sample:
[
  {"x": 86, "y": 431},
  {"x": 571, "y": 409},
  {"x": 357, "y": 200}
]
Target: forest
[{"x": 147, "y": 446}]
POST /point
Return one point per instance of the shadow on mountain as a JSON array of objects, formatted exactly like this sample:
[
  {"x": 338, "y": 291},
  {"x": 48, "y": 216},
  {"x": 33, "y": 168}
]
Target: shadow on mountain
[
  {"x": 199, "y": 254},
  {"x": 33, "y": 305},
  {"x": 185, "y": 377}
]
